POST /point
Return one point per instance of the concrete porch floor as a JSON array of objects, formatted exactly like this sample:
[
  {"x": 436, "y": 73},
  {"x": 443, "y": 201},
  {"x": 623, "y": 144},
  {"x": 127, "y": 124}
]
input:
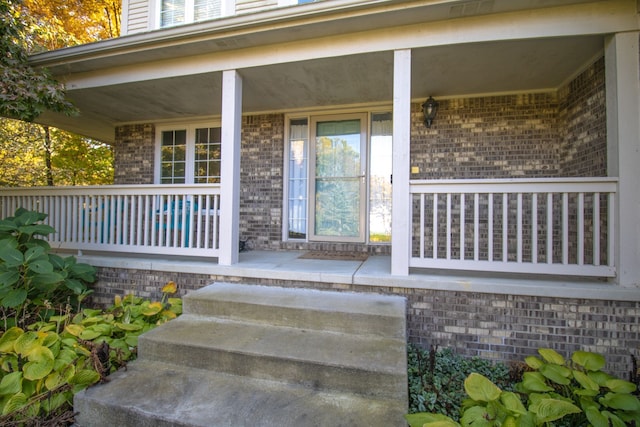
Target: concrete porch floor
[{"x": 375, "y": 271}]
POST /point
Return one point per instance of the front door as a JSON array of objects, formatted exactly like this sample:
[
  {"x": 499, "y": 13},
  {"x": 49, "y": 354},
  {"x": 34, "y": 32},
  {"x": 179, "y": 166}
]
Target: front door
[{"x": 338, "y": 186}]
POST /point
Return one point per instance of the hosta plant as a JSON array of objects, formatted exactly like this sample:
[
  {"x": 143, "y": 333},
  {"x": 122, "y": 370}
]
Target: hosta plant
[
  {"x": 604, "y": 400},
  {"x": 556, "y": 392}
]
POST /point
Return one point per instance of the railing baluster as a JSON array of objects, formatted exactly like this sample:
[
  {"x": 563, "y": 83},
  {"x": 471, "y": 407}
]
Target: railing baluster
[
  {"x": 519, "y": 227},
  {"x": 435, "y": 226},
  {"x": 490, "y": 227},
  {"x": 549, "y": 228},
  {"x": 534, "y": 228},
  {"x": 422, "y": 225},
  {"x": 448, "y": 226},
  {"x": 580, "y": 233},
  {"x": 476, "y": 226},
  {"x": 611, "y": 215},
  {"x": 565, "y": 228},
  {"x": 462, "y": 225},
  {"x": 596, "y": 228},
  {"x": 505, "y": 229}
]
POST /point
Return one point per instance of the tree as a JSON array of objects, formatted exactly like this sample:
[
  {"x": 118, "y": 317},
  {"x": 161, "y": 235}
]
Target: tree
[
  {"x": 34, "y": 154},
  {"x": 25, "y": 92}
]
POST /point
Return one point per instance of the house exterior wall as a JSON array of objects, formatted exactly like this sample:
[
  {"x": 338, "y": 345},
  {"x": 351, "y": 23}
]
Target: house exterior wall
[
  {"x": 508, "y": 136},
  {"x": 492, "y": 326}
]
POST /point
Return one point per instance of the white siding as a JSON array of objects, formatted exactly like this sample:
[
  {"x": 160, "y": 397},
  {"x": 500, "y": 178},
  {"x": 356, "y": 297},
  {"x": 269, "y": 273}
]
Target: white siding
[{"x": 138, "y": 17}]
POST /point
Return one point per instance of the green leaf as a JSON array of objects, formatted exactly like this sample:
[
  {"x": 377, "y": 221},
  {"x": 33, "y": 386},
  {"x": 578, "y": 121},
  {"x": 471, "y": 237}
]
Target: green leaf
[
  {"x": 37, "y": 370},
  {"x": 551, "y": 356},
  {"x": 626, "y": 402},
  {"x": 9, "y": 338},
  {"x": 534, "y": 381},
  {"x": 9, "y": 278},
  {"x": 11, "y": 256},
  {"x": 596, "y": 418},
  {"x": 15, "y": 402},
  {"x": 46, "y": 279},
  {"x": 512, "y": 403},
  {"x": 85, "y": 377},
  {"x": 25, "y": 343},
  {"x": 553, "y": 409},
  {"x": 600, "y": 377},
  {"x": 418, "y": 420},
  {"x": 34, "y": 253},
  {"x": 480, "y": 388},
  {"x": 533, "y": 362},
  {"x": 14, "y": 298},
  {"x": 38, "y": 229},
  {"x": 89, "y": 334},
  {"x": 589, "y": 361},
  {"x": 620, "y": 386},
  {"x": 615, "y": 420},
  {"x": 11, "y": 383},
  {"x": 556, "y": 373},
  {"x": 75, "y": 285},
  {"x": 476, "y": 416},
  {"x": 128, "y": 326},
  {"x": 586, "y": 382},
  {"x": 41, "y": 266}
]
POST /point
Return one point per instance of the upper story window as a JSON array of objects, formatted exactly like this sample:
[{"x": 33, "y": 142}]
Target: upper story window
[{"x": 176, "y": 12}]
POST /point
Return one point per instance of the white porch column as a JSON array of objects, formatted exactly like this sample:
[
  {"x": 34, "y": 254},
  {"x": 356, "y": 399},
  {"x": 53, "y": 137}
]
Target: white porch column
[
  {"x": 230, "y": 167},
  {"x": 401, "y": 211},
  {"x": 623, "y": 149}
]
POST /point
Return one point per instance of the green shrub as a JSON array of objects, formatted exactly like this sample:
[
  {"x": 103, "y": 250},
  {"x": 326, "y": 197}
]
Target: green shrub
[
  {"x": 34, "y": 282},
  {"x": 555, "y": 392},
  {"x": 436, "y": 379},
  {"x": 41, "y": 368}
]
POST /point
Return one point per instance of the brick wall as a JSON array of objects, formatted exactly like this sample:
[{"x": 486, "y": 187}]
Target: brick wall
[
  {"x": 491, "y": 326},
  {"x": 134, "y": 154},
  {"x": 583, "y": 124},
  {"x": 491, "y": 137},
  {"x": 262, "y": 154}
]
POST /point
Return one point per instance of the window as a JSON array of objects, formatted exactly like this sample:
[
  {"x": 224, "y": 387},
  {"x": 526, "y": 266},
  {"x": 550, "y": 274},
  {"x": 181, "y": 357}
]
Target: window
[
  {"x": 189, "y": 154},
  {"x": 176, "y": 12}
]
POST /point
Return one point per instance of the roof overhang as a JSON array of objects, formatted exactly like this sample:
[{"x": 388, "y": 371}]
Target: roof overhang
[{"x": 332, "y": 53}]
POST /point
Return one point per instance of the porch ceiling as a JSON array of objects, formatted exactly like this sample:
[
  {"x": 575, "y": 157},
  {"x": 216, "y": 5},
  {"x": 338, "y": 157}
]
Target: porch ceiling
[{"x": 441, "y": 71}]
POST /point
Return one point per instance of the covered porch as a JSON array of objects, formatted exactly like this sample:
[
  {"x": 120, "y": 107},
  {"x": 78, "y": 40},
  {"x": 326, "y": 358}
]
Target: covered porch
[{"x": 458, "y": 203}]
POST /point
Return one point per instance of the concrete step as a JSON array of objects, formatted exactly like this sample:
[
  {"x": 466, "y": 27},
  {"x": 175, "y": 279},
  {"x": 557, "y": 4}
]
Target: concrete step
[
  {"x": 302, "y": 308},
  {"x": 157, "y": 394},
  {"x": 245, "y": 355},
  {"x": 369, "y": 365}
]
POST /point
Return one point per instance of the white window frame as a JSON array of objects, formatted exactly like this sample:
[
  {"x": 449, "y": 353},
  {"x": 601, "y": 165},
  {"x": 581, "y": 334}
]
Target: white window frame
[
  {"x": 190, "y": 128},
  {"x": 309, "y": 116},
  {"x": 227, "y": 7}
]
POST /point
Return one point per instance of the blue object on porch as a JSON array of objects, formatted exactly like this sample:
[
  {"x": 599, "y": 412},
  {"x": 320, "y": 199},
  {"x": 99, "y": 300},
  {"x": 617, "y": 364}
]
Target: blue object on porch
[{"x": 175, "y": 211}]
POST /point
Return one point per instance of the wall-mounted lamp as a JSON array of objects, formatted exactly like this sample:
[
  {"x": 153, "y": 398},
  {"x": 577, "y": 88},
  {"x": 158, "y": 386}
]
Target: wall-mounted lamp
[{"x": 429, "y": 109}]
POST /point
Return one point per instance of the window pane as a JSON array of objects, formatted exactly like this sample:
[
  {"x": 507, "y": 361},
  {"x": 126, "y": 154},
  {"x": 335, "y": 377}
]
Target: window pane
[
  {"x": 206, "y": 9},
  {"x": 298, "y": 182},
  {"x": 172, "y": 156},
  {"x": 380, "y": 178},
  {"x": 207, "y": 157},
  {"x": 172, "y": 12}
]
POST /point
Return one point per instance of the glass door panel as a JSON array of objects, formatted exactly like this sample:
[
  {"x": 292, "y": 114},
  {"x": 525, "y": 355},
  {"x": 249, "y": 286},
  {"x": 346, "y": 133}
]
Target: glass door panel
[{"x": 339, "y": 179}]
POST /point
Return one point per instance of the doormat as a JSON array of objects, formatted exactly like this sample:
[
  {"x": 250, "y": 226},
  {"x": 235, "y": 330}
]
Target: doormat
[{"x": 333, "y": 255}]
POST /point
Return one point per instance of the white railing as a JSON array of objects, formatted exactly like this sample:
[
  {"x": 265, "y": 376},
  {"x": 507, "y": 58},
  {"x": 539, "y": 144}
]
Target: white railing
[
  {"x": 154, "y": 219},
  {"x": 546, "y": 226}
]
